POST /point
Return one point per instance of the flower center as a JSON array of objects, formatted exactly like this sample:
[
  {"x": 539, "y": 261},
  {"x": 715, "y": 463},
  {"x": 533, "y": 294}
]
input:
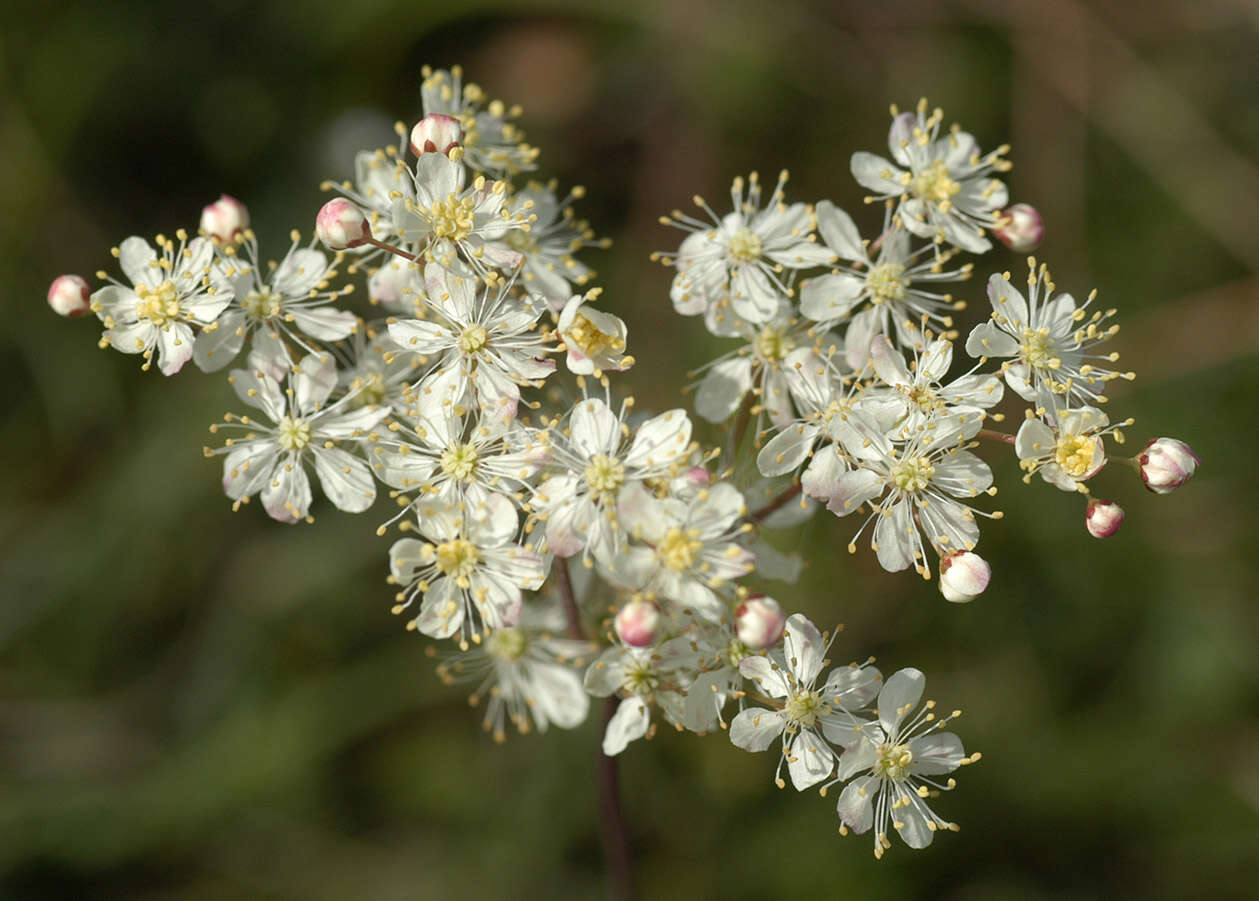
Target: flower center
[
  {"x": 604, "y": 473},
  {"x": 1038, "y": 349},
  {"x": 588, "y": 339},
  {"x": 913, "y": 475},
  {"x": 457, "y": 558},
  {"x": 805, "y": 708},
  {"x": 639, "y": 679},
  {"x": 1075, "y": 454},
  {"x": 745, "y": 246},
  {"x": 507, "y": 644},
  {"x": 678, "y": 548},
  {"x": 934, "y": 185},
  {"x": 894, "y": 761},
  {"x": 459, "y": 462},
  {"x": 452, "y": 217},
  {"x": 293, "y": 434},
  {"x": 371, "y": 390},
  {"x": 159, "y": 305},
  {"x": 735, "y": 652},
  {"x": 473, "y": 338},
  {"x": 261, "y": 305},
  {"x": 773, "y": 344},
  {"x": 521, "y": 241},
  {"x": 887, "y": 282},
  {"x": 922, "y": 397}
]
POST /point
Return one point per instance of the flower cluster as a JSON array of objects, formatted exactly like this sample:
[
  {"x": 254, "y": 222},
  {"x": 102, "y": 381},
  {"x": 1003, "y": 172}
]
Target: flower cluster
[{"x": 587, "y": 549}]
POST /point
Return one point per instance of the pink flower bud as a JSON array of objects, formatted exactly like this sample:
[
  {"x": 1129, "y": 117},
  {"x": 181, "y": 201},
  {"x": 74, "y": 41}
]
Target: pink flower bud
[
  {"x": 1023, "y": 230},
  {"x": 68, "y": 295},
  {"x": 637, "y": 622},
  {"x": 963, "y": 576},
  {"x": 1103, "y": 518},
  {"x": 436, "y": 134},
  {"x": 699, "y": 476},
  {"x": 1166, "y": 464},
  {"x": 224, "y": 218},
  {"x": 340, "y": 224},
  {"x": 759, "y": 622}
]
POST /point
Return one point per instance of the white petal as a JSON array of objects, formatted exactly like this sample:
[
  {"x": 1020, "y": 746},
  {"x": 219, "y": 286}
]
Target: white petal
[
  {"x": 787, "y": 450},
  {"x": 830, "y": 296},
  {"x": 755, "y": 728},
  {"x": 628, "y": 723},
  {"x": 899, "y": 696},
  {"x": 803, "y": 647},
  {"x": 838, "y": 231},
  {"x": 809, "y": 759},
  {"x": 875, "y": 173},
  {"x": 261, "y": 391},
  {"x": 723, "y": 388},
  {"x": 314, "y": 377},
  {"x": 936, "y": 754},
  {"x": 660, "y": 440},
  {"x": 286, "y": 495},
  {"x": 345, "y": 479},
  {"x": 136, "y": 259},
  {"x": 856, "y": 804},
  {"x": 325, "y": 323}
]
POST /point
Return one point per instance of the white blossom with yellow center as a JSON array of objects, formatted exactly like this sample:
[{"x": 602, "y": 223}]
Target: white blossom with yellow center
[
  {"x": 1069, "y": 454},
  {"x": 172, "y": 294},
  {"x": 1047, "y": 342},
  {"x": 468, "y": 572},
  {"x": 808, "y": 718},
  {"x": 945, "y": 187},
  {"x": 736, "y": 262},
  {"x": 894, "y": 760}
]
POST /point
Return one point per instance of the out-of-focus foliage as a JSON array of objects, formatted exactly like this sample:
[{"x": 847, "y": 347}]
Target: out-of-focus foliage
[{"x": 201, "y": 704}]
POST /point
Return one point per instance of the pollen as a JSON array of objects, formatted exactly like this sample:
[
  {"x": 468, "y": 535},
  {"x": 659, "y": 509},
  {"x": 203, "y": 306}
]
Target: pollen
[
  {"x": 452, "y": 218},
  {"x": 459, "y": 462},
  {"x": 913, "y": 475},
  {"x": 604, "y": 473},
  {"x": 887, "y": 282},
  {"x": 934, "y": 184},
  {"x": 293, "y": 434},
  {"x": 678, "y": 549},
  {"x": 159, "y": 305},
  {"x": 457, "y": 558},
  {"x": 745, "y": 246}
]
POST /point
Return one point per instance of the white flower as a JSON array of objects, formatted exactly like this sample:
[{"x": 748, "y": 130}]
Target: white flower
[
  {"x": 485, "y": 340},
  {"x": 944, "y": 184},
  {"x": 1066, "y": 456},
  {"x": 491, "y": 142},
  {"x": 380, "y": 177},
  {"x": 379, "y": 372},
  {"x": 554, "y": 235},
  {"x": 897, "y": 284},
  {"x": 597, "y": 456},
  {"x": 444, "y": 216},
  {"x": 170, "y": 295},
  {"x": 918, "y": 387},
  {"x": 1049, "y": 339},
  {"x": 279, "y": 305},
  {"x": 271, "y": 459},
  {"x": 806, "y": 718},
  {"x": 457, "y": 458},
  {"x": 692, "y": 546},
  {"x": 759, "y": 366},
  {"x": 470, "y": 570},
  {"x": 527, "y": 676},
  {"x": 735, "y": 261},
  {"x": 643, "y": 677},
  {"x": 595, "y": 340},
  {"x": 898, "y": 754},
  {"x": 912, "y": 487}
]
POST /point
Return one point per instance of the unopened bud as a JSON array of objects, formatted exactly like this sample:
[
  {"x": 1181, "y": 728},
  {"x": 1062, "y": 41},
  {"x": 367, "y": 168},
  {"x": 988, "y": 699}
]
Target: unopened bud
[
  {"x": 224, "y": 218},
  {"x": 69, "y": 295},
  {"x": 963, "y": 576},
  {"x": 1103, "y": 518},
  {"x": 759, "y": 622},
  {"x": 436, "y": 134},
  {"x": 1166, "y": 464},
  {"x": 637, "y": 622},
  {"x": 699, "y": 476},
  {"x": 340, "y": 224},
  {"x": 1023, "y": 229}
]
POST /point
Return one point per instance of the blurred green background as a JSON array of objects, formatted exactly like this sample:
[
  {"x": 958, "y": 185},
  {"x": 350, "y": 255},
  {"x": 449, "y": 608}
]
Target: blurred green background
[{"x": 196, "y": 704}]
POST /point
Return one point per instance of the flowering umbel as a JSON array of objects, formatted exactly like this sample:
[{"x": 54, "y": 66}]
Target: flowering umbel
[{"x": 572, "y": 546}]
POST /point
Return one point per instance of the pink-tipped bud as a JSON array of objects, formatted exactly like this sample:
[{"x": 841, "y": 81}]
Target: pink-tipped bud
[
  {"x": 340, "y": 224},
  {"x": 963, "y": 576},
  {"x": 637, "y": 623},
  {"x": 436, "y": 134},
  {"x": 1103, "y": 518},
  {"x": 225, "y": 218},
  {"x": 1166, "y": 464},
  {"x": 759, "y": 622},
  {"x": 69, "y": 295},
  {"x": 1023, "y": 230}
]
